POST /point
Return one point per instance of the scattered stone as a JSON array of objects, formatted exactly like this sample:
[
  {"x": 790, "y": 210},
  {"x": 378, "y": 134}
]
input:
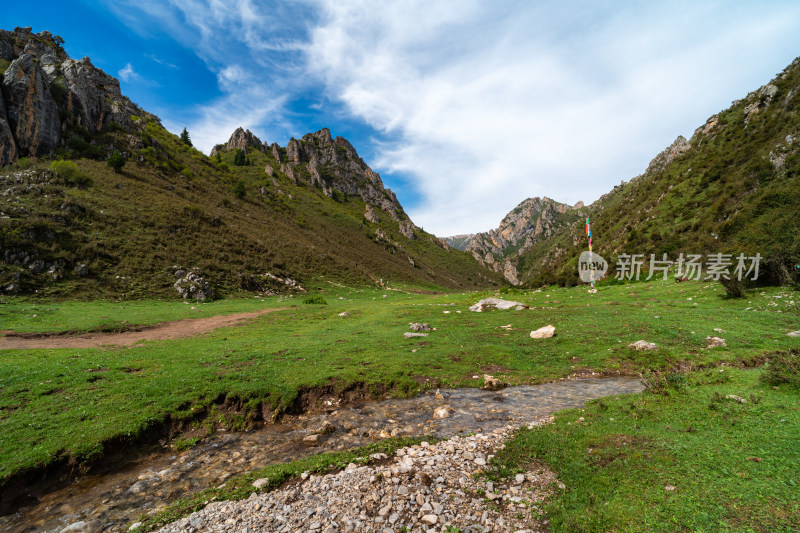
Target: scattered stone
[
  {"x": 429, "y": 487},
  {"x": 794, "y": 334},
  {"x": 492, "y": 383},
  {"x": 325, "y": 429},
  {"x": 409, "y": 334},
  {"x": 543, "y": 333},
  {"x": 191, "y": 285},
  {"x": 499, "y": 303},
  {"x": 344, "y": 314},
  {"x": 311, "y": 440},
  {"x": 643, "y": 345},
  {"x": 416, "y": 326},
  {"x": 261, "y": 482},
  {"x": 441, "y": 412},
  {"x": 669, "y": 488},
  {"x": 735, "y": 398},
  {"x": 519, "y": 479},
  {"x": 714, "y": 342},
  {"x": 720, "y": 330}
]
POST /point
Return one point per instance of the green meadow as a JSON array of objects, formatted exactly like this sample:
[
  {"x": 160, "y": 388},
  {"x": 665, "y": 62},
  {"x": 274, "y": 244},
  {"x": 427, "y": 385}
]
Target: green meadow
[{"x": 70, "y": 403}]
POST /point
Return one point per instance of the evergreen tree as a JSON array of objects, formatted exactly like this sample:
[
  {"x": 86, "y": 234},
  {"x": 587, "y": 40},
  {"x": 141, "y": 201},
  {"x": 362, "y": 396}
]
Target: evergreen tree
[
  {"x": 239, "y": 158},
  {"x": 116, "y": 161},
  {"x": 239, "y": 189},
  {"x": 185, "y": 137}
]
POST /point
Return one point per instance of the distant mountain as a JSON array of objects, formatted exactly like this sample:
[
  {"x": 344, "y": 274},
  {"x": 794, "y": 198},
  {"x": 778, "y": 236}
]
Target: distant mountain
[
  {"x": 734, "y": 187},
  {"x": 252, "y": 217},
  {"x": 532, "y": 221},
  {"x": 459, "y": 242}
]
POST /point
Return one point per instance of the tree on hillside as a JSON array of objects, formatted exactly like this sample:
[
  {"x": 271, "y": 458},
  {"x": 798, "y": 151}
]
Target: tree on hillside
[
  {"x": 185, "y": 137},
  {"x": 116, "y": 161},
  {"x": 239, "y": 189},
  {"x": 239, "y": 159}
]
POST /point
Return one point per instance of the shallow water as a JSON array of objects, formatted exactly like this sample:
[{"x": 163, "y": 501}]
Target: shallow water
[{"x": 113, "y": 501}]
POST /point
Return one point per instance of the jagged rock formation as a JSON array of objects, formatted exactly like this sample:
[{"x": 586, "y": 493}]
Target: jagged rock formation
[
  {"x": 660, "y": 162},
  {"x": 46, "y": 98},
  {"x": 532, "y": 221},
  {"x": 330, "y": 165}
]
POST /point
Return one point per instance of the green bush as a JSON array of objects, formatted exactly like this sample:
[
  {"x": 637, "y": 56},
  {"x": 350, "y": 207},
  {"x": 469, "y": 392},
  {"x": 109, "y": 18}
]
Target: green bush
[
  {"x": 116, "y": 161},
  {"x": 239, "y": 189},
  {"x": 66, "y": 170},
  {"x": 315, "y": 300},
  {"x": 735, "y": 288},
  {"x": 783, "y": 367}
]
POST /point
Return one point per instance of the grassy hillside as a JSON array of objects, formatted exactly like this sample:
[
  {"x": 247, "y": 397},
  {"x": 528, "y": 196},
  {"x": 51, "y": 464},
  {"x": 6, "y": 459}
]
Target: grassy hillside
[
  {"x": 88, "y": 231},
  {"x": 736, "y": 189}
]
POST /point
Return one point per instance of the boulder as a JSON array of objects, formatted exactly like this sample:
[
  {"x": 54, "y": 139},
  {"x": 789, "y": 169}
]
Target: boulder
[
  {"x": 441, "y": 412},
  {"x": 643, "y": 345},
  {"x": 794, "y": 334},
  {"x": 499, "y": 303},
  {"x": 409, "y": 334},
  {"x": 8, "y": 146},
  {"x": 311, "y": 440},
  {"x": 261, "y": 482},
  {"x": 416, "y": 326},
  {"x": 492, "y": 383},
  {"x": 191, "y": 285},
  {"x": 544, "y": 332},
  {"x": 715, "y": 342}
]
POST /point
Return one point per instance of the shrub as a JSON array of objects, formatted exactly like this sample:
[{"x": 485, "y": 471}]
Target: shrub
[
  {"x": 315, "y": 300},
  {"x": 735, "y": 288},
  {"x": 783, "y": 367},
  {"x": 239, "y": 189},
  {"x": 116, "y": 161},
  {"x": 664, "y": 382},
  {"x": 66, "y": 170}
]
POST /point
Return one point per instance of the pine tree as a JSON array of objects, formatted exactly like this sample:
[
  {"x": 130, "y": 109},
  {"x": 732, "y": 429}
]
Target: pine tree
[
  {"x": 239, "y": 158},
  {"x": 185, "y": 137},
  {"x": 116, "y": 161}
]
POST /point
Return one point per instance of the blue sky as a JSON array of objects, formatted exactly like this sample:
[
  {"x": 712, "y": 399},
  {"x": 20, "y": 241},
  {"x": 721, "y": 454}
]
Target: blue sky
[{"x": 466, "y": 108}]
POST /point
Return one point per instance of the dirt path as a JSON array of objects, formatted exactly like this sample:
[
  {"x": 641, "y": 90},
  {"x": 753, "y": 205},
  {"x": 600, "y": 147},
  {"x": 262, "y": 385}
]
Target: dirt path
[{"x": 177, "y": 329}]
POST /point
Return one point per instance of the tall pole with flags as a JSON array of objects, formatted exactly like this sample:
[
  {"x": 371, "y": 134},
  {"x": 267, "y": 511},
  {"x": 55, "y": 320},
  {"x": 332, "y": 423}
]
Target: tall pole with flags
[{"x": 591, "y": 259}]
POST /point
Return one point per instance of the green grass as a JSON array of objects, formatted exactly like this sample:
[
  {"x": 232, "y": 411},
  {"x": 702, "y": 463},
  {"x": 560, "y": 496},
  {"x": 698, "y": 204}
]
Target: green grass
[
  {"x": 66, "y": 403},
  {"x": 241, "y": 487},
  {"x": 734, "y": 466}
]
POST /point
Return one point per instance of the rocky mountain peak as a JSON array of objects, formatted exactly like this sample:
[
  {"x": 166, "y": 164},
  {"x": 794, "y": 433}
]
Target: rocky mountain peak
[
  {"x": 46, "y": 98},
  {"x": 533, "y": 220},
  {"x": 241, "y": 139},
  {"x": 330, "y": 164}
]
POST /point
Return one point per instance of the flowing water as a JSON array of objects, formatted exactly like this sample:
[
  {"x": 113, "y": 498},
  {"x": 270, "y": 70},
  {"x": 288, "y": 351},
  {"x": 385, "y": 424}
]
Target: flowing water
[{"x": 113, "y": 501}]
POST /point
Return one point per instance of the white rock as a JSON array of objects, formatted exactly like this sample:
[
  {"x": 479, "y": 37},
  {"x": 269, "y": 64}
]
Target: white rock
[
  {"x": 794, "y": 334},
  {"x": 261, "y": 482},
  {"x": 643, "y": 345},
  {"x": 543, "y": 333},
  {"x": 714, "y": 342},
  {"x": 409, "y": 334},
  {"x": 430, "y": 519},
  {"x": 441, "y": 412},
  {"x": 498, "y": 303}
]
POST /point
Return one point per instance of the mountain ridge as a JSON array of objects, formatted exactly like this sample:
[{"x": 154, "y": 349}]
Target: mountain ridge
[{"x": 174, "y": 220}]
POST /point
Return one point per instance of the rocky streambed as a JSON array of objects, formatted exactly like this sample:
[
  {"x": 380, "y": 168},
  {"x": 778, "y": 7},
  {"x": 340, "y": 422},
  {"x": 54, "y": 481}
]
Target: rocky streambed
[{"x": 113, "y": 501}]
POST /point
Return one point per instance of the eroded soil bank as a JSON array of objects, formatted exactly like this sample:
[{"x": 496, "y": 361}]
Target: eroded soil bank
[{"x": 112, "y": 501}]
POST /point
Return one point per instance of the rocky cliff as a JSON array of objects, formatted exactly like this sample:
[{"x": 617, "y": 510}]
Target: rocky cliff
[
  {"x": 532, "y": 221},
  {"x": 328, "y": 164},
  {"x": 48, "y": 99}
]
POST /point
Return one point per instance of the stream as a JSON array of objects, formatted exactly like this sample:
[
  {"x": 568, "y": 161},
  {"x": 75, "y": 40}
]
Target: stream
[{"x": 113, "y": 501}]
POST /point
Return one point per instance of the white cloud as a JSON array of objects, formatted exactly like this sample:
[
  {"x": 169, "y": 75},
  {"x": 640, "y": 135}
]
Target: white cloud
[
  {"x": 127, "y": 73},
  {"x": 473, "y": 106},
  {"x": 491, "y": 106}
]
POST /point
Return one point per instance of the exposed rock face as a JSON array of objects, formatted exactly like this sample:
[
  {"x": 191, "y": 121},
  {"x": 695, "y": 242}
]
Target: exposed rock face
[
  {"x": 329, "y": 164},
  {"x": 241, "y": 139},
  {"x": 44, "y": 94},
  {"x": 532, "y": 221},
  {"x": 31, "y": 110},
  {"x": 660, "y": 162},
  {"x": 459, "y": 242}
]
